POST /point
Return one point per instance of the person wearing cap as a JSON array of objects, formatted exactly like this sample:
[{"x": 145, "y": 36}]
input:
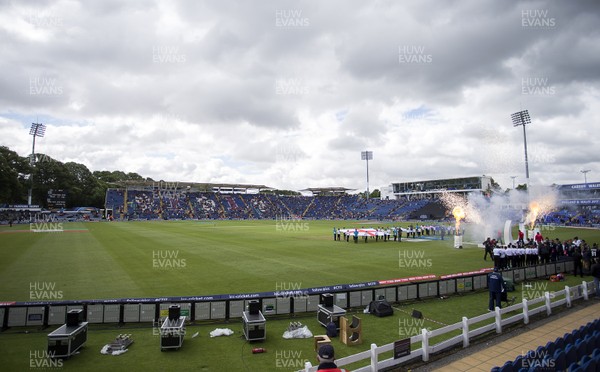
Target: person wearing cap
[
  {"x": 326, "y": 356},
  {"x": 496, "y": 287}
]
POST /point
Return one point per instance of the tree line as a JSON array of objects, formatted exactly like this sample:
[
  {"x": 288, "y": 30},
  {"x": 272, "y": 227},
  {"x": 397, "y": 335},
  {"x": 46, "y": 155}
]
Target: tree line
[{"x": 84, "y": 188}]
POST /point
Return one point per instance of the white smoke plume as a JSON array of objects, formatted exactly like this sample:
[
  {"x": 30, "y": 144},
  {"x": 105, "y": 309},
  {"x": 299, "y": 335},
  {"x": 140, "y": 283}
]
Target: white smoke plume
[{"x": 486, "y": 216}]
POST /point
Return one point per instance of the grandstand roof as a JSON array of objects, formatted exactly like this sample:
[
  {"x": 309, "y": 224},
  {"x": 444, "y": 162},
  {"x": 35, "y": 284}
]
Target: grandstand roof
[
  {"x": 326, "y": 190},
  {"x": 192, "y": 185}
]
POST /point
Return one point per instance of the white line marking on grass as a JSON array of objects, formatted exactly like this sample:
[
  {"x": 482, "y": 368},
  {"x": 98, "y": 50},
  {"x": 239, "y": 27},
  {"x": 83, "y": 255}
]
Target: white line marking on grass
[{"x": 431, "y": 320}]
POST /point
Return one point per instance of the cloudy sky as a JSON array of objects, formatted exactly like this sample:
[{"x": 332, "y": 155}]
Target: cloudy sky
[{"x": 288, "y": 93}]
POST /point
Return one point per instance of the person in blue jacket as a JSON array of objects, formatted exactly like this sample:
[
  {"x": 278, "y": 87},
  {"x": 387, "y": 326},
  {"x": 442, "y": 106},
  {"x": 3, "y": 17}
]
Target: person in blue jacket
[{"x": 495, "y": 283}]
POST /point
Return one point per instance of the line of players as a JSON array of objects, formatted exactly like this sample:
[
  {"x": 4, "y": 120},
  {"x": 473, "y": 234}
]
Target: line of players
[
  {"x": 514, "y": 256},
  {"x": 537, "y": 250},
  {"x": 379, "y": 234}
]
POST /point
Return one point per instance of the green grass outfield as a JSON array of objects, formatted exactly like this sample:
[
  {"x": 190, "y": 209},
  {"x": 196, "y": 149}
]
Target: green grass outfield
[
  {"x": 116, "y": 260},
  {"x": 127, "y": 259}
]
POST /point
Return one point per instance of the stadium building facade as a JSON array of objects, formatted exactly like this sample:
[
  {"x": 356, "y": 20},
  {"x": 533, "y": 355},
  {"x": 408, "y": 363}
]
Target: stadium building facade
[
  {"x": 578, "y": 204},
  {"x": 580, "y": 194},
  {"x": 431, "y": 189}
]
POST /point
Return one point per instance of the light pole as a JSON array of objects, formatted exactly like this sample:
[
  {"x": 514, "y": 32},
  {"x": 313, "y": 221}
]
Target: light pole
[
  {"x": 367, "y": 155},
  {"x": 522, "y": 118},
  {"x": 585, "y": 174},
  {"x": 37, "y": 130},
  {"x": 513, "y": 178}
]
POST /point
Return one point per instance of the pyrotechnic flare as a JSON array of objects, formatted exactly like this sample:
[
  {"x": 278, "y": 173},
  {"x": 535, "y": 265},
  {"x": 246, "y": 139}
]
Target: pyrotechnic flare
[
  {"x": 534, "y": 210},
  {"x": 459, "y": 214}
]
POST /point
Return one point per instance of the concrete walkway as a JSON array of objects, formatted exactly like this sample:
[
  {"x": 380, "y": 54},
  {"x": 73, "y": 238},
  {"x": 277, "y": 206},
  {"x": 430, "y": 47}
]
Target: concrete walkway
[{"x": 497, "y": 355}]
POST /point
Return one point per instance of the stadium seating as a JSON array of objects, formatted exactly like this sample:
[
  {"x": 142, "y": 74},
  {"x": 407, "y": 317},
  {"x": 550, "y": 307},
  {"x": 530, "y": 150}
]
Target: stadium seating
[
  {"x": 550, "y": 347},
  {"x": 588, "y": 363},
  {"x": 578, "y": 350},
  {"x": 518, "y": 363},
  {"x": 114, "y": 199},
  {"x": 570, "y": 354},
  {"x": 179, "y": 204},
  {"x": 560, "y": 360},
  {"x": 507, "y": 367},
  {"x": 570, "y": 218}
]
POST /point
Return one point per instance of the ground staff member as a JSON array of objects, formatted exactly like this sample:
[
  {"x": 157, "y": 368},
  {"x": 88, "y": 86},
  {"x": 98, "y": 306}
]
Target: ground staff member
[{"x": 496, "y": 287}]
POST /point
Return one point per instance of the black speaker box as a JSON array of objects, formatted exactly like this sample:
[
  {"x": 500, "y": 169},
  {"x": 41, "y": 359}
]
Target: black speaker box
[
  {"x": 174, "y": 312},
  {"x": 417, "y": 314},
  {"x": 327, "y": 299},
  {"x": 380, "y": 308},
  {"x": 74, "y": 317},
  {"x": 253, "y": 307}
]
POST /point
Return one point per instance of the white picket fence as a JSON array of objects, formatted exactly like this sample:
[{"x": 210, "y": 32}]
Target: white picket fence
[{"x": 526, "y": 309}]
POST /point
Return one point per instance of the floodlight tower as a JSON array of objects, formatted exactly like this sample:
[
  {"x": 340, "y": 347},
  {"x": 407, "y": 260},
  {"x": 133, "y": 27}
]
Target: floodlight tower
[
  {"x": 513, "y": 178},
  {"x": 585, "y": 172},
  {"x": 37, "y": 130},
  {"x": 522, "y": 118},
  {"x": 367, "y": 155}
]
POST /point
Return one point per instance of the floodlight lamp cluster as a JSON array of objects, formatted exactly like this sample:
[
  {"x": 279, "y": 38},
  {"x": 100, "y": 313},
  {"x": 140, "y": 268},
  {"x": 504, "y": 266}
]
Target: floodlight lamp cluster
[
  {"x": 521, "y": 118},
  {"x": 37, "y": 130}
]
